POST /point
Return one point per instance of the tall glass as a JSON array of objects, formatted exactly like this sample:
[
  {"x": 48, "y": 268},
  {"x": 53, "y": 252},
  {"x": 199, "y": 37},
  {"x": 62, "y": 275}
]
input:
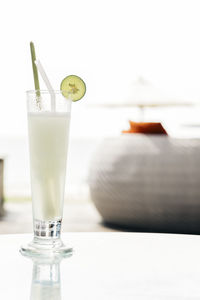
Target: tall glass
[{"x": 48, "y": 143}]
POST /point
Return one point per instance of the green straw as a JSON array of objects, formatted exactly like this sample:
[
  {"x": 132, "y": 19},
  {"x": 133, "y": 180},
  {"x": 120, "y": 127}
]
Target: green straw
[{"x": 35, "y": 71}]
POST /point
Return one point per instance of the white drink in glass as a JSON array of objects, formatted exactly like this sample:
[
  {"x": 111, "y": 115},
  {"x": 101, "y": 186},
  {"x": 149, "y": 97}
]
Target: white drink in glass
[
  {"x": 48, "y": 140},
  {"x": 48, "y": 130}
]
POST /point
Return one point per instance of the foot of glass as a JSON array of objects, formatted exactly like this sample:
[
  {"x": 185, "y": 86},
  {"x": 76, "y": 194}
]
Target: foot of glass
[
  {"x": 35, "y": 250},
  {"x": 46, "y": 242}
]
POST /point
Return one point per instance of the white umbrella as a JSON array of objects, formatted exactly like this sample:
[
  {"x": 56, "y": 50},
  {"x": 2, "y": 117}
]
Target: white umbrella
[{"x": 142, "y": 93}]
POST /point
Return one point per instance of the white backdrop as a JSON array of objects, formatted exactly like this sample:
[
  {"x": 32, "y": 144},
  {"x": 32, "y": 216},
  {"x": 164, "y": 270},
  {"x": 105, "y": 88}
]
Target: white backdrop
[{"x": 107, "y": 42}]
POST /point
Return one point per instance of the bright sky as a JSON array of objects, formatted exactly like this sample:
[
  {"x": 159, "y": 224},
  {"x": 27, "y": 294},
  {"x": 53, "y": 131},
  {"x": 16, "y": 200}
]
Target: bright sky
[{"x": 107, "y": 42}]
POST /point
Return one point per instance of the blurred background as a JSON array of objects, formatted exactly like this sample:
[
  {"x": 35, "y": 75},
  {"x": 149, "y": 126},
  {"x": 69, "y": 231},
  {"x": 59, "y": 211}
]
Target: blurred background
[{"x": 140, "y": 61}]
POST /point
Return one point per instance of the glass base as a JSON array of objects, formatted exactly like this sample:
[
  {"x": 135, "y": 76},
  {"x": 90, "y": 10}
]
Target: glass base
[
  {"x": 46, "y": 242},
  {"x": 35, "y": 250}
]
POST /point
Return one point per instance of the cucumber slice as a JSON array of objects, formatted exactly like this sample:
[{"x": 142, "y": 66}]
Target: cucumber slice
[{"x": 73, "y": 87}]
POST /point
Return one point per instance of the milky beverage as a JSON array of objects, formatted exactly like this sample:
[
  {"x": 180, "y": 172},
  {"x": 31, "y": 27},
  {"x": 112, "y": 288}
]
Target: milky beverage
[{"x": 48, "y": 144}]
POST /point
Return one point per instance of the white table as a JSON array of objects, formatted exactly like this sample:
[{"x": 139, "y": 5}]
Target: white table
[{"x": 108, "y": 266}]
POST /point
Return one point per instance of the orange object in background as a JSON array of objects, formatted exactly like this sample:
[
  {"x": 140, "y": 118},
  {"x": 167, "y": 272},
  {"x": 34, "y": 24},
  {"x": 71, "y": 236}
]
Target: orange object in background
[{"x": 146, "y": 128}]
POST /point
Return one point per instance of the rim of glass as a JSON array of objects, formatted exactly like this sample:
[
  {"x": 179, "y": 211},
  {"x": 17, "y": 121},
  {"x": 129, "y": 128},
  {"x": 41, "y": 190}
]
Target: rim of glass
[{"x": 45, "y": 91}]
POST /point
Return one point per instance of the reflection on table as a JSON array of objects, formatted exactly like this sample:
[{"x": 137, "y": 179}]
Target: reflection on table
[{"x": 46, "y": 279}]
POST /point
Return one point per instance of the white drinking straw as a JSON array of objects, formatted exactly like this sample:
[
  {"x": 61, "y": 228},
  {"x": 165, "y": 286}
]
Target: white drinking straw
[{"x": 48, "y": 84}]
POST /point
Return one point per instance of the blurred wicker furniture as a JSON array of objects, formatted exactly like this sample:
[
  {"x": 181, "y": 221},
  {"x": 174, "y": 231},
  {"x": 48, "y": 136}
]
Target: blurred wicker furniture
[{"x": 148, "y": 182}]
